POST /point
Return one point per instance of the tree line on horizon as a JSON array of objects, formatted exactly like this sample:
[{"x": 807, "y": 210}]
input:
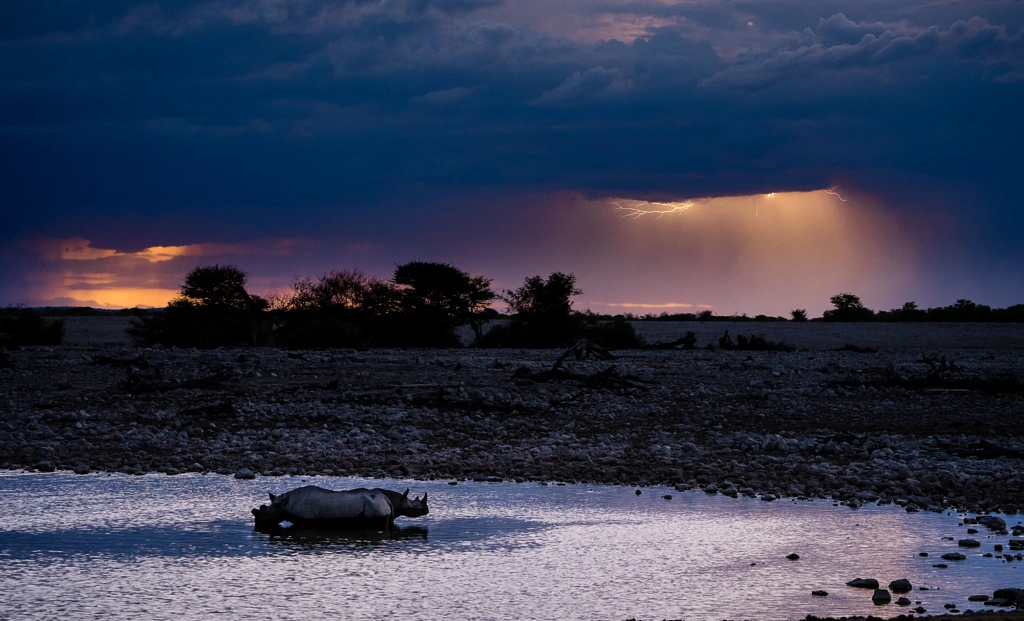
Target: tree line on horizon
[
  {"x": 423, "y": 304},
  {"x": 848, "y": 307}
]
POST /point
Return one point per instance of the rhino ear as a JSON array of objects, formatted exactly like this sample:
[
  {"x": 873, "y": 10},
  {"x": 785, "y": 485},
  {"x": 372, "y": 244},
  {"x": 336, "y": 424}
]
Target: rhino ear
[{"x": 406, "y": 494}]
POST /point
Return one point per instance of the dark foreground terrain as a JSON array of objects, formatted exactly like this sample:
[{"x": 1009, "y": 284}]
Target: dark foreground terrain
[{"x": 813, "y": 422}]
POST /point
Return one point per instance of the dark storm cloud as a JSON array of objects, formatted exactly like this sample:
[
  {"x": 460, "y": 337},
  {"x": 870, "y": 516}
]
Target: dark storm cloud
[{"x": 223, "y": 109}]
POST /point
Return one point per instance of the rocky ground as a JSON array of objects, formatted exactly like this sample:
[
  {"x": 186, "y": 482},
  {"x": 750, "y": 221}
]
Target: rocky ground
[
  {"x": 987, "y": 615},
  {"x": 855, "y": 426}
]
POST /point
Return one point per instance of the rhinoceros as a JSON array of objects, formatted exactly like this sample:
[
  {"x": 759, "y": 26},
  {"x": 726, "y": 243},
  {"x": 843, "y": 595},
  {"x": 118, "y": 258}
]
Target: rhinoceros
[
  {"x": 312, "y": 506},
  {"x": 401, "y": 505}
]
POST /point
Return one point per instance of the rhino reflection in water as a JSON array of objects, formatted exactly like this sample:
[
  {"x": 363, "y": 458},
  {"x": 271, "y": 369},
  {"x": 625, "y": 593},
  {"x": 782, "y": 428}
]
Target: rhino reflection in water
[{"x": 312, "y": 506}]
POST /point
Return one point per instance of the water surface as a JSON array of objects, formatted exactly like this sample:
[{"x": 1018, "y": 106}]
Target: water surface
[{"x": 183, "y": 547}]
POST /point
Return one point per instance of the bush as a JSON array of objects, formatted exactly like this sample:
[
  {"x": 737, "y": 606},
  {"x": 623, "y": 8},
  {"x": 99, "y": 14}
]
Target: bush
[
  {"x": 147, "y": 330},
  {"x": 434, "y": 299},
  {"x": 26, "y": 326},
  {"x": 213, "y": 310},
  {"x": 755, "y": 342},
  {"x": 848, "y": 307},
  {"x": 542, "y": 314},
  {"x": 615, "y": 334},
  {"x": 420, "y": 307},
  {"x": 318, "y": 332}
]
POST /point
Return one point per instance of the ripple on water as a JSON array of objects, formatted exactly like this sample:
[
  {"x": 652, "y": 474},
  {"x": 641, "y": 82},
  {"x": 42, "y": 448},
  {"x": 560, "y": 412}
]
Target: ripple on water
[{"x": 184, "y": 547}]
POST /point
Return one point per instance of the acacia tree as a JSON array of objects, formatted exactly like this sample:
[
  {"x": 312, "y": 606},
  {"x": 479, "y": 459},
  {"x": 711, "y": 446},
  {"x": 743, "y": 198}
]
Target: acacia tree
[
  {"x": 435, "y": 298},
  {"x": 216, "y": 287},
  {"x": 848, "y": 307},
  {"x": 542, "y": 314},
  {"x": 337, "y": 291},
  {"x": 212, "y": 310}
]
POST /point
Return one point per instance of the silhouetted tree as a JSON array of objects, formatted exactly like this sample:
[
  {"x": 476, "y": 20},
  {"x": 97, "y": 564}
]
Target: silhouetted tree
[
  {"x": 798, "y": 314},
  {"x": 338, "y": 291},
  {"x": 435, "y": 298},
  {"x": 212, "y": 310},
  {"x": 216, "y": 287},
  {"x": 848, "y": 307},
  {"x": 541, "y": 314}
]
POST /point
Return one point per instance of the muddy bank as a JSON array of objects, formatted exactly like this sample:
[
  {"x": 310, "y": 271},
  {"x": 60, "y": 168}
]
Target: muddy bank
[{"x": 805, "y": 423}]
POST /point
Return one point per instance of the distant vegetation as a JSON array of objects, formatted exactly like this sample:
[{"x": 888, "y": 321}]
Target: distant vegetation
[
  {"x": 21, "y": 326},
  {"x": 423, "y": 304},
  {"x": 848, "y": 307}
]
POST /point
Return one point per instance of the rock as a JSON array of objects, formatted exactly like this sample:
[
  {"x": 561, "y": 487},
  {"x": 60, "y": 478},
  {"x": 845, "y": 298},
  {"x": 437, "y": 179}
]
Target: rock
[
  {"x": 968, "y": 543},
  {"x": 901, "y": 586},
  {"x": 638, "y": 492},
  {"x": 711, "y": 489},
  {"x": 998, "y": 547},
  {"x": 953, "y": 556},
  {"x": 769, "y": 497},
  {"x": 977, "y": 598},
  {"x": 972, "y": 531},
  {"x": 667, "y": 497},
  {"x": 81, "y": 469},
  {"x": 819, "y": 593},
  {"x": 863, "y": 583},
  {"x": 991, "y": 521},
  {"x": 922, "y": 554},
  {"x": 171, "y": 471},
  {"x": 245, "y": 473},
  {"x": 453, "y": 482},
  {"x": 920, "y": 610},
  {"x": 940, "y": 565},
  {"x": 794, "y": 557},
  {"x": 881, "y": 597},
  {"x": 1013, "y": 595},
  {"x": 903, "y": 601},
  {"x": 44, "y": 466}
]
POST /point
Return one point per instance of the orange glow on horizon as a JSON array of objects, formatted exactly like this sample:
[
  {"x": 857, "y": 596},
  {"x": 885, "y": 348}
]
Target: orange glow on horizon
[
  {"x": 79, "y": 274},
  {"x": 121, "y": 298}
]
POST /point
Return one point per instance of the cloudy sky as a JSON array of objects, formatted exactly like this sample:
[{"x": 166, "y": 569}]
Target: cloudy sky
[{"x": 741, "y": 155}]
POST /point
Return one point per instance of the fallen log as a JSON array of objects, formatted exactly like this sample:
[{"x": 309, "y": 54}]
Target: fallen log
[
  {"x": 687, "y": 342},
  {"x": 582, "y": 350}
]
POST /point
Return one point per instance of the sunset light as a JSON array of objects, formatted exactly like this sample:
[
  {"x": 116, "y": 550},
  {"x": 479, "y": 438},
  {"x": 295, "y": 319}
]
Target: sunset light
[{"x": 678, "y": 309}]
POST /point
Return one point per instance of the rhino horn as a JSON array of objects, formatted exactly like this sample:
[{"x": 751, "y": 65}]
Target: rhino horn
[
  {"x": 272, "y": 497},
  {"x": 406, "y": 494},
  {"x": 424, "y": 497}
]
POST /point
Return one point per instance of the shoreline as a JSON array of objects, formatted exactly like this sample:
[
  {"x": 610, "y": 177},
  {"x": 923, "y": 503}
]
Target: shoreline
[{"x": 799, "y": 424}]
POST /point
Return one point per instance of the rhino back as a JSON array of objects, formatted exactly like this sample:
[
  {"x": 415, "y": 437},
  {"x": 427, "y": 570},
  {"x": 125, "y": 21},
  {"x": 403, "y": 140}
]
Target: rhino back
[{"x": 316, "y": 503}]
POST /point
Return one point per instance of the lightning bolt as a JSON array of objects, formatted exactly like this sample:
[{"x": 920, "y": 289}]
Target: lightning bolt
[
  {"x": 639, "y": 209},
  {"x": 833, "y": 192}
]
